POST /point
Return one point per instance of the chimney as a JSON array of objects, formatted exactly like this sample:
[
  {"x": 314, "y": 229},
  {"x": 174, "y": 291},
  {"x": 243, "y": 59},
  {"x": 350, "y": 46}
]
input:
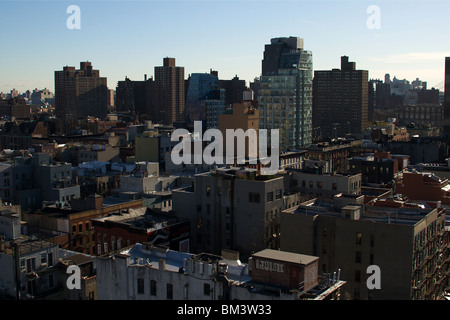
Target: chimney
[
  {"x": 162, "y": 264},
  {"x": 2, "y": 243}
]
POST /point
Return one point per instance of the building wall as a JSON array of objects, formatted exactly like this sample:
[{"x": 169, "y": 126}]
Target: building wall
[
  {"x": 326, "y": 185},
  {"x": 340, "y": 100},
  {"x": 353, "y": 245}
]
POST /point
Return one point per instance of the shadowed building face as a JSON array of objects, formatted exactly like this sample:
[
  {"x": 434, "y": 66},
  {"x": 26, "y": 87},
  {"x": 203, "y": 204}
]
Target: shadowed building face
[{"x": 447, "y": 97}]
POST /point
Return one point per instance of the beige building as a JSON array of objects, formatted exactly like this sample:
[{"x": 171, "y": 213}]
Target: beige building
[
  {"x": 326, "y": 185},
  {"x": 240, "y": 116}
]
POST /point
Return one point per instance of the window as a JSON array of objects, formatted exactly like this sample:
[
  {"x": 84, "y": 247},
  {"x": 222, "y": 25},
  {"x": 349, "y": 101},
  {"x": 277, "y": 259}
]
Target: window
[
  {"x": 80, "y": 227},
  {"x": 334, "y": 186},
  {"x": 199, "y": 223},
  {"x": 319, "y": 184},
  {"x": 357, "y": 275},
  {"x": 169, "y": 291},
  {"x": 325, "y": 232},
  {"x": 358, "y": 238},
  {"x": 294, "y": 182},
  {"x": 253, "y": 197},
  {"x": 356, "y": 294},
  {"x": 87, "y": 225},
  {"x": 278, "y": 194},
  {"x": 31, "y": 264},
  {"x": 206, "y": 289},
  {"x": 303, "y": 183},
  {"x": 51, "y": 281},
  {"x": 91, "y": 295},
  {"x": 208, "y": 191},
  {"x": 311, "y": 184},
  {"x": 153, "y": 287},
  {"x": 50, "y": 259},
  {"x": 140, "y": 285},
  {"x": 43, "y": 258},
  {"x": 270, "y": 196},
  {"x": 31, "y": 287}
]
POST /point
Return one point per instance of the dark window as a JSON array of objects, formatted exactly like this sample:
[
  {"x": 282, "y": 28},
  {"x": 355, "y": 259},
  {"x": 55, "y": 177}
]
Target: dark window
[
  {"x": 358, "y": 257},
  {"x": 206, "y": 289},
  {"x": 269, "y": 196},
  {"x": 279, "y": 194},
  {"x": 357, "y": 275},
  {"x": 358, "y": 238},
  {"x": 253, "y": 197},
  {"x": 153, "y": 287}
]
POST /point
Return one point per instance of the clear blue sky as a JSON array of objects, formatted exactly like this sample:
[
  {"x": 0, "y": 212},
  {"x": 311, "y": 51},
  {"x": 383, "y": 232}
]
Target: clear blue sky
[{"x": 129, "y": 38}]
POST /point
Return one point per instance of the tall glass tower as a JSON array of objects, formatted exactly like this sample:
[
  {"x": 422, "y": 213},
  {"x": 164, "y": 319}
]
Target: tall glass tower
[{"x": 285, "y": 93}]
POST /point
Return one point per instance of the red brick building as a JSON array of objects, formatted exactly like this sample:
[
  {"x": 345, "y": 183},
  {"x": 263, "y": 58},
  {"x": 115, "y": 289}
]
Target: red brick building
[{"x": 138, "y": 226}]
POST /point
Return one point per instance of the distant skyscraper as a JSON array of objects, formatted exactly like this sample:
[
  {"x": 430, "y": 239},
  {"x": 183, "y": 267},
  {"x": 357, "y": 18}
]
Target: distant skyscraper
[
  {"x": 168, "y": 95},
  {"x": 80, "y": 93},
  {"x": 131, "y": 96},
  {"x": 285, "y": 91},
  {"x": 340, "y": 103},
  {"x": 447, "y": 97},
  {"x": 200, "y": 87},
  {"x": 234, "y": 89}
]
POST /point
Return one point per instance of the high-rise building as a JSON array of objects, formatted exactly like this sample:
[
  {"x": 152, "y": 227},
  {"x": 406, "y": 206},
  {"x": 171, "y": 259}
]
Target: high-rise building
[
  {"x": 447, "y": 97},
  {"x": 285, "y": 91},
  {"x": 340, "y": 100},
  {"x": 234, "y": 89},
  {"x": 240, "y": 116},
  {"x": 406, "y": 241},
  {"x": 168, "y": 97},
  {"x": 201, "y": 86},
  {"x": 80, "y": 93}
]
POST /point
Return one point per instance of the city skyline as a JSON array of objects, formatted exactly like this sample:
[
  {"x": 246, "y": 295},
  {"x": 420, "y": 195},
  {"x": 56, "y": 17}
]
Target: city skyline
[{"x": 128, "y": 39}]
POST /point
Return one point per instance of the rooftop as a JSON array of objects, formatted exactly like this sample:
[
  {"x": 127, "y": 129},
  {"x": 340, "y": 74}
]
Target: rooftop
[{"x": 383, "y": 211}]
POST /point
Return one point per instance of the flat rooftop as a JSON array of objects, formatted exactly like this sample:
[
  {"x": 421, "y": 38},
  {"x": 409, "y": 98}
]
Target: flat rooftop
[
  {"x": 381, "y": 214},
  {"x": 140, "y": 255},
  {"x": 285, "y": 256}
]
